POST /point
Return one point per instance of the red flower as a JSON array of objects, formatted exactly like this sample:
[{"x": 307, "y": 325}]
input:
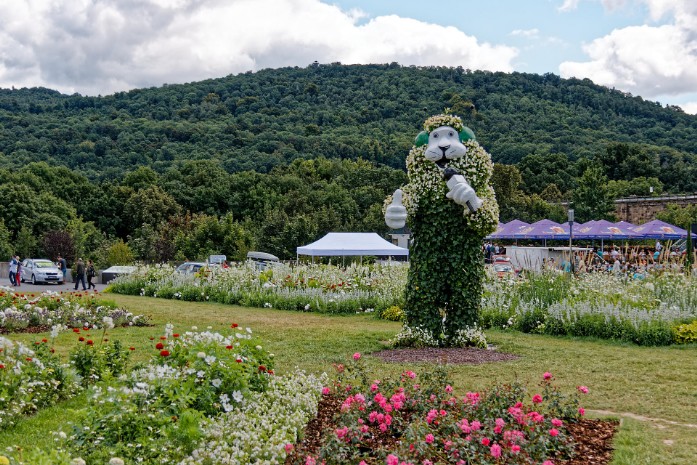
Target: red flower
[
  {"x": 175, "y": 335},
  {"x": 163, "y": 338},
  {"x": 238, "y": 360},
  {"x": 131, "y": 348},
  {"x": 90, "y": 342},
  {"x": 106, "y": 339},
  {"x": 270, "y": 372},
  {"x": 228, "y": 347},
  {"x": 76, "y": 330},
  {"x": 234, "y": 325},
  {"x": 28, "y": 359},
  {"x": 164, "y": 353},
  {"x": 85, "y": 329},
  {"x": 2, "y": 366},
  {"x": 81, "y": 339},
  {"x": 159, "y": 346},
  {"x": 262, "y": 368},
  {"x": 152, "y": 338}
]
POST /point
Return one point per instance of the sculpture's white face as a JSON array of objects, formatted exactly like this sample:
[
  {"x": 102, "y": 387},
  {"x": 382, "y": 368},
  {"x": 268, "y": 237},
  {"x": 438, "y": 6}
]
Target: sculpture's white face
[{"x": 443, "y": 145}]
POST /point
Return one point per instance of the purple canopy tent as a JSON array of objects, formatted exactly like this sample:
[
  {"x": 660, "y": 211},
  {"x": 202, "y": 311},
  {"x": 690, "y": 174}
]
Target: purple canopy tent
[
  {"x": 657, "y": 229},
  {"x": 543, "y": 229},
  {"x": 603, "y": 230},
  {"x": 625, "y": 225},
  {"x": 508, "y": 230}
]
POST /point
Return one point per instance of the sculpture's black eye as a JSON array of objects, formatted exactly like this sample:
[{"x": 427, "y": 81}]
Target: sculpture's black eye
[
  {"x": 451, "y": 134},
  {"x": 435, "y": 136}
]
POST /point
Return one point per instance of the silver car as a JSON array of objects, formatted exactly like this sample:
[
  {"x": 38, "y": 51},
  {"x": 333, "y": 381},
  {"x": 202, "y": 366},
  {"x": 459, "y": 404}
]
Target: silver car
[{"x": 40, "y": 270}]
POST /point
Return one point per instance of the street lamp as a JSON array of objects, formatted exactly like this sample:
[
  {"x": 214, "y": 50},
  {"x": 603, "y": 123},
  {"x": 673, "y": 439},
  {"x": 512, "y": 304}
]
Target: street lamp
[{"x": 571, "y": 235}]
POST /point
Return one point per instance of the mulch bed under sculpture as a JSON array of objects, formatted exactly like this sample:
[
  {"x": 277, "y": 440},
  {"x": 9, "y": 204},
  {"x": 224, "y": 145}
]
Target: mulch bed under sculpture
[{"x": 592, "y": 437}]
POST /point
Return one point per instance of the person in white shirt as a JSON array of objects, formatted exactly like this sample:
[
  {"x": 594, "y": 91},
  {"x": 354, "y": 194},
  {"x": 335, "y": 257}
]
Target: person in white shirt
[{"x": 13, "y": 270}]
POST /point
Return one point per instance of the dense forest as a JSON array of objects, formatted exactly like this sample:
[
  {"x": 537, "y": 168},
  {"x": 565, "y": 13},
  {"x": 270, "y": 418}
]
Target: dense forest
[{"x": 277, "y": 158}]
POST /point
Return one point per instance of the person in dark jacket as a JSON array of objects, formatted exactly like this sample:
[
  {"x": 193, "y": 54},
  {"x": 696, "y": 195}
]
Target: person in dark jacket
[
  {"x": 80, "y": 274},
  {"x": 91, "y": 273}
]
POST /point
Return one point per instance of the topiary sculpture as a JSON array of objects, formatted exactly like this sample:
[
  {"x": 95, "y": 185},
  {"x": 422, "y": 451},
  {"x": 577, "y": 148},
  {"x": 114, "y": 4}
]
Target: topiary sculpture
[{"x": 451, "y": 207}]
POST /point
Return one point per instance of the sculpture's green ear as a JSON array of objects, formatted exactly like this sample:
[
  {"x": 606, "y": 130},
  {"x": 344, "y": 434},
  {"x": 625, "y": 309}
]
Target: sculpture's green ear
[
  {"x": 421, "y": 139},
  {"x": 466, "y": 134}
]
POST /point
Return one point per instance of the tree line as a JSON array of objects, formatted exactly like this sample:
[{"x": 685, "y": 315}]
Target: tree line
[{"x": 277, "y": 158}]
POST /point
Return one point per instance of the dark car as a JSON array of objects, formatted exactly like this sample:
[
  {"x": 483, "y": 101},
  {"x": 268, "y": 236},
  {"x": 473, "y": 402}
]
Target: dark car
[{"x": 41, "y": 270}]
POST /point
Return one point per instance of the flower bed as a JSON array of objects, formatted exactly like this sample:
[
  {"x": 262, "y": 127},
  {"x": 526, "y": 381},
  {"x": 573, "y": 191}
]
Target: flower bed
[
  {"x": 176, "y": 408},
  {"x": 645, "y": 312},
  {"x": 317, "y": 288},
  {"x": 419, "y": 420},
  {"x": 30, "y": 379},
  {"x": 20, "y": 312}
]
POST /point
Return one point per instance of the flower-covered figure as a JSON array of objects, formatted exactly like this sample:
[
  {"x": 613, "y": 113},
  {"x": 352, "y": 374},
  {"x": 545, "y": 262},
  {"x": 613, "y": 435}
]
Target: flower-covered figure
[{"x": 451, "y": 207}]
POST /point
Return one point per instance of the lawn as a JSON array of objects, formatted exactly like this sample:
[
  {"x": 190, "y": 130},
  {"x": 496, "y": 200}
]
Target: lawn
[{"x": 653, "y": 390}]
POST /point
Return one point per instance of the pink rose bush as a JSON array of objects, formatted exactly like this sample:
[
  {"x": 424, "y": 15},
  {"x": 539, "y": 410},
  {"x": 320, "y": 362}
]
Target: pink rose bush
[{"x": 421, "y": 419}]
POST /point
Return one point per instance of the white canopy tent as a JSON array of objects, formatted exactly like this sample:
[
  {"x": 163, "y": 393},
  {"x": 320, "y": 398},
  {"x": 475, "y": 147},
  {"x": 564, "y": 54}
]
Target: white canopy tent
[{"x": 351, "y": 244}]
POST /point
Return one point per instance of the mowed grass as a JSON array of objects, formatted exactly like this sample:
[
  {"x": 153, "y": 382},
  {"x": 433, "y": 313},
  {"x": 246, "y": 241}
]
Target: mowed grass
[{"x": 653, "y": 390}]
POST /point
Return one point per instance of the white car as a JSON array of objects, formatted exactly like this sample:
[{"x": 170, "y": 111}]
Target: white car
[{"x": 41, "y": 270}]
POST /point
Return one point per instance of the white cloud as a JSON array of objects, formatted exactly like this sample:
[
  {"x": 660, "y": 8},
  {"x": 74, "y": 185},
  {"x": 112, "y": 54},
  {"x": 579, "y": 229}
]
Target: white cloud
[
  {"x": 646, "y": 60},
  {"x": 102, "y": 46},
  {"x": 690, "y": 107},
  {"x": 526, "y": 32}
]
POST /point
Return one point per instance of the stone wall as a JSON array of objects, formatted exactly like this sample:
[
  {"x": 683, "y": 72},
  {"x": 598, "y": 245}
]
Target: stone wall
[{"x": 639, "y": 210}]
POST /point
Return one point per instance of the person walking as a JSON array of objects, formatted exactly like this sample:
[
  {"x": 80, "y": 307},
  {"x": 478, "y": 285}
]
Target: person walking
[
  {"x": 63, "y": 265},
  {"x": 80, "y": 272},
  {"x": 18, "y": 275},
  {"x": 13, "y": 270},
  {"x": 91, "y": 273}
]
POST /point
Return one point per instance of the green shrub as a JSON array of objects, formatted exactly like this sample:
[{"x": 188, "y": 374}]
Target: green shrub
[
  {"x": 686, "y": 333},
  {"x": 393, "y": 313}
]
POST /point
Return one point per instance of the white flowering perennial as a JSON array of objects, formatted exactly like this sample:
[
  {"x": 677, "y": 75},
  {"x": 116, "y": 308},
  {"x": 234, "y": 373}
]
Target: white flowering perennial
[
  {"x": 257, "y": 431},
  {"x": 30, "y": 380}
]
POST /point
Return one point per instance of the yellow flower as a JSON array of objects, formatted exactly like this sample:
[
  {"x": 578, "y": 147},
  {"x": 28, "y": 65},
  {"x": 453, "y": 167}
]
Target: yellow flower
[{"x": 4, "y": 460}]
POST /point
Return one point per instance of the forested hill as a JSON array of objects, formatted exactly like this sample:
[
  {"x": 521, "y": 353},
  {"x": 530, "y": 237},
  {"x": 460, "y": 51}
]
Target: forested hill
[{"x": 258, "y": 121}]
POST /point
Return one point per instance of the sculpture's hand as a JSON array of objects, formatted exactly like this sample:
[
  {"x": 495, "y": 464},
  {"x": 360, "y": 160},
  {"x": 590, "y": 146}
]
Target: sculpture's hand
[
  {"x": 462, "y": 193},
  {"x": 396, "y": 213}
]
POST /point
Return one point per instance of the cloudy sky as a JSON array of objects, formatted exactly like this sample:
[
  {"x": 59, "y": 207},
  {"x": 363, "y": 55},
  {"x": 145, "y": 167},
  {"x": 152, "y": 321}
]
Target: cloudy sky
[{"x": 97, "y": 47}]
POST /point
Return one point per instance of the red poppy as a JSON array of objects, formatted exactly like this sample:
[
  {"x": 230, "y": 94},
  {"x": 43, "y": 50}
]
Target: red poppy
[
  {"x": 228, "y": 347},
  {"x": 262, "y": 368},
  {"x": 163, "y": 338},
  {"x": 28, "y": 359},
  {"x": 90, "y": 342},
  {"x": 81, "y": 339},
  {"x": 164, "y": 353},
  {"x": 159, "y": 346},
  {"x": 238, "y": 360},
  {"x": 76, "y": 330},
  {"x": 131, "y": 348},
  {"x": 2, "y": 366},
  {"x": 44, "y": 340},
  {"x": 234, "y": 325},
  {"x": 175, "y": 335}
]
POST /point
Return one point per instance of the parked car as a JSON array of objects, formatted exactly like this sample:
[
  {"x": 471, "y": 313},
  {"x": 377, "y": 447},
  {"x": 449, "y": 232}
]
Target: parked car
[
  {"x": 189, "y": 268},
  {"x": 262, "y": 260},
  {"x": 503, "y": 269},
  {"x": 41, "y": 270}
]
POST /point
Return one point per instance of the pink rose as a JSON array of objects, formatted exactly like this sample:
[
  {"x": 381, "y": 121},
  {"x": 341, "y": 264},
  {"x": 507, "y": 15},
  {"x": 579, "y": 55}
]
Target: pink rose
[
  {"x": 356, "y": 356},
  {"x": 429, "y": 438},
  {"x": 392, "y": 460},
  {"x": 325, "y": 391},
  {"x": 547, "y": 376},
  {"x": 583, "y": 389},
  {"x": 495, "y": 451},
  {"x": 537, "y": 399},
  {"x": 554, "y": 432},
  {"x": 556, "y": 422},
  {"x": 581, "y": 411},
  {"x": 547, "y": 462},
  {"x": 289, "y": 448},
  {"x": 486, "y": 441},
  {"x": 515, "y": 448}
]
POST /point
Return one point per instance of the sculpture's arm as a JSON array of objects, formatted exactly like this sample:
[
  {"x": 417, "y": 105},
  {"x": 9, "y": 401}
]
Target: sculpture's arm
[{"x": 396, "y": 213}]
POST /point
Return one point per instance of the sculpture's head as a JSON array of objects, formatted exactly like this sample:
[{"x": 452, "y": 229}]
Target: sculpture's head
[{"x": 444, "y": 136}]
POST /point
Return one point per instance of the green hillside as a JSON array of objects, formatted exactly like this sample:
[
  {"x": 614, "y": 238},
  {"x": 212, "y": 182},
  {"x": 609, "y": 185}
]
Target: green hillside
[{"x": 292, "y": 153}]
